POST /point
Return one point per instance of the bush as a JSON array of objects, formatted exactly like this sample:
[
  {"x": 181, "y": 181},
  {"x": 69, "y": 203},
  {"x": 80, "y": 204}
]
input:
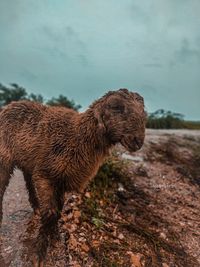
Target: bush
[{"x": 162, "y": 119}]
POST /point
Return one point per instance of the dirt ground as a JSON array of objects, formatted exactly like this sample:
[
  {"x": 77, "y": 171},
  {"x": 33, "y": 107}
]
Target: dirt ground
[{"x": 142, "y": 210}]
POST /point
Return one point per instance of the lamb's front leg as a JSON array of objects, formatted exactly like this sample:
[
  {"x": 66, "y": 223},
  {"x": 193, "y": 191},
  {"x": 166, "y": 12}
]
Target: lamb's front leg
[
  {"x": 49, "y": 215},
  {"x": 4, "y": 180}
]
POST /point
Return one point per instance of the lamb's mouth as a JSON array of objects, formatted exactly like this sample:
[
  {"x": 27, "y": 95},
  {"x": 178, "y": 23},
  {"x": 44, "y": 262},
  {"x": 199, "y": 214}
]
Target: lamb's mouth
[{"x": 132, "y": 144}]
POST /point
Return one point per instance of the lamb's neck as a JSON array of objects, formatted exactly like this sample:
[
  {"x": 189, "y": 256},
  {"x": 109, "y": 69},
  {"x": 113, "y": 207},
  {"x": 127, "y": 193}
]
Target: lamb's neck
[
  {"x": 91, "y": 148},
  {"x": 90, "y": 133}
]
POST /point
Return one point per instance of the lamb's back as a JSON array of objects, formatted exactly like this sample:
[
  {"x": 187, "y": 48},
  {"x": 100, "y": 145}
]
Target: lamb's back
[
  {"x": 18, "y": 114},
  {"x": 29, "y": 129},
  {"x": 33, "y": 118}
]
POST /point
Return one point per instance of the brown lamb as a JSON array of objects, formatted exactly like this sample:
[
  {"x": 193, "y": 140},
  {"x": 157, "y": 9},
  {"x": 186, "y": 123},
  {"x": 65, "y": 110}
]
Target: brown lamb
[{"x": 60, "y": 150}]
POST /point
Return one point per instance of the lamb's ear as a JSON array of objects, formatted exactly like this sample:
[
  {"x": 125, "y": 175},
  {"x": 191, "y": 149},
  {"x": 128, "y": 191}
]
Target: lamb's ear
[{"x": 99, "y": 116}]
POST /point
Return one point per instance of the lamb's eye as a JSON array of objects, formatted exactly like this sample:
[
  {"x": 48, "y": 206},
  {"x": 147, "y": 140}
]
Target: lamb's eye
[{"x": 117, "y": 108}]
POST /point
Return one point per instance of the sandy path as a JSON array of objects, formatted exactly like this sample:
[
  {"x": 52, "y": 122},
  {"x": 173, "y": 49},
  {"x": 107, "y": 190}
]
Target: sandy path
[{"x": 16, "y": 214}]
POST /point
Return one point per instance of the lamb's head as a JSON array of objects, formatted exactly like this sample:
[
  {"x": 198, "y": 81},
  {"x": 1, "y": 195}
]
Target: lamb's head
[{"x": 121, "y": 114}]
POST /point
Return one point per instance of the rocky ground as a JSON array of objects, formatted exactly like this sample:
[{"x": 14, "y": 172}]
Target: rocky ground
[{"x": 142, "y": 210}]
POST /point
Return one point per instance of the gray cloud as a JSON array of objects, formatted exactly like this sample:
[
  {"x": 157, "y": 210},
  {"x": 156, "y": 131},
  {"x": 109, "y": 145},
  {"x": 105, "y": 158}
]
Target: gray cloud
[
  {"x": 186, "y": 53},
  {"x": 153, "y": 65},
  {"x": 83, "y": 48},
  {"x": 29, "y": 75},
  {"x": 65, "y": 42},
  {"x": 139, "y": 14}
]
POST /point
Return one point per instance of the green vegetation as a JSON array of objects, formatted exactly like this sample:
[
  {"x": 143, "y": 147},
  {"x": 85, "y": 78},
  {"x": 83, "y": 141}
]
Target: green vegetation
[
  {"x": 64, "y": 102},
  {"x": 193, "y": 125},
  {"x": 16, "y": 93},
  {"x": 162, "y": 119},
  {"x": 112, "y": 172}
]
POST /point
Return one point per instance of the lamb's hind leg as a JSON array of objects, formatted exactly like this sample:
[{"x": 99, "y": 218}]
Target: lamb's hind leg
[
  {"x": 31, "y": 192},
  {"x": 49, "y": 214},
  {"x": 4, "y": 180}
]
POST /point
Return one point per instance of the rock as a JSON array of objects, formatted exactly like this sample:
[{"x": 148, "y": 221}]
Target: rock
[
  {"x": 133, "y": 158},
  {"x": 73, "y": 243},
  {"x": 142, "y": 171},
  {"x": 120, "y": 187},
  {"x": 135, "y": 259},
  {"x": 121, "y": 236},
  {"x": 85, "y": 247},
  {"x": 72, "y": 228},
  {"x": 77, "y": 214},
  {"x": 81, "y": 234},
  {"x": 8, "y": 249},
  {"x": 116, "y": 241},
  {"x": 163, "y": 235},
  {"x": 81, "y": 239},
  {"x": 88, "y": 195},
  {"x": 75, "y": 264},
  {"x": 95, "y": 243}
]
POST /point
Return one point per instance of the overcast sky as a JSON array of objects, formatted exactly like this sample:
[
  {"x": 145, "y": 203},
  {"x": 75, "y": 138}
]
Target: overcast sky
[{"x": 83, "y": 48}]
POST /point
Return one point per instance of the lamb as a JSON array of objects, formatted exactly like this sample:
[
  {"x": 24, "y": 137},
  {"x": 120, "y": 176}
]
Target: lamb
[{"x": 60, "y": 150}]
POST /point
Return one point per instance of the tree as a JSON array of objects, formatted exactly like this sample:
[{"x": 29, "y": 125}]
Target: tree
[
  {"x": 14, "y": 93},
  {"x": 64, "y": 102},
  {"x": 161, "y": 119},
  {"x": 36, "y": 98}
]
